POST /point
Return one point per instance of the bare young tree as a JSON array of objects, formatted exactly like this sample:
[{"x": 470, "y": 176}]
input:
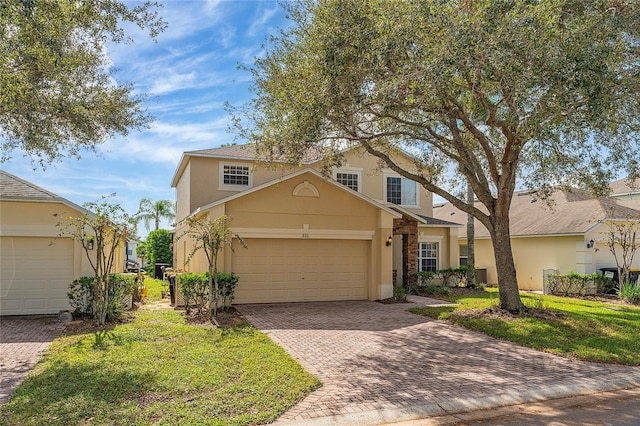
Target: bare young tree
[
  {"x": 101, "y": 230},
  {"x": 623, "y": 240},
  {"x": 210, "y": 236}
]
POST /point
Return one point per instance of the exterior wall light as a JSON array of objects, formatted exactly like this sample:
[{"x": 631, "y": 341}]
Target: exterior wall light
[
  {"x": 389, "y": 241},
  {"x": 590, "y": 244}
]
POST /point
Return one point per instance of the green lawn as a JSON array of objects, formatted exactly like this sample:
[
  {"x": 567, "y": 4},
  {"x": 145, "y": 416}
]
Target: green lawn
[
  {"x": 155, "y": 288},
  {"x": 574, "y": 328},
  {"x": 159, "y": 370}
]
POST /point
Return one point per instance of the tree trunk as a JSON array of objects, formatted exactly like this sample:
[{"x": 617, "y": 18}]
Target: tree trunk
[
  {"x": 507, "y": 279},
  {"x": 471, "y": 252}
]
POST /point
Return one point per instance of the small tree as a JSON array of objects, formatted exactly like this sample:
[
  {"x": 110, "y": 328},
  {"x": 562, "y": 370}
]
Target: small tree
[
  {"x": 159, "y": 247},
  {"x": 155, "y": 211},
  {"x": 210, "y": 236},
  {"x": 623, "y": 241},
  {"x": 100, "y": 230},
  {"x": 141, "y": 252}
]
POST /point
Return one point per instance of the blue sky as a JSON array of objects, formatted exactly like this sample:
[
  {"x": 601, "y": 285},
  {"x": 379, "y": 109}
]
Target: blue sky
[{"x": 189, "y": 73}]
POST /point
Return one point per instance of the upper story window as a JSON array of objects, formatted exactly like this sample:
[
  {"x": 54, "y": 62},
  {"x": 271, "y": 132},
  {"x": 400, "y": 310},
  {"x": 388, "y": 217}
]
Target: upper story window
[
  {"x": 349, "y": 180},
  {"x": 401, "y": 191},
  {"x": 351, "y": 177},
  {"x": 235, "y": 177}
]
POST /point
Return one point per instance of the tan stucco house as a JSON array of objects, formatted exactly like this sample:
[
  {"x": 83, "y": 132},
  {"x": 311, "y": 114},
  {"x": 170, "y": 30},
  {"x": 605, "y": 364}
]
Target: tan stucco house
[
  {"x": 567, "y": 236},
  {"x": 310, "y": 237},
  {"x": 36, "y": 265}
]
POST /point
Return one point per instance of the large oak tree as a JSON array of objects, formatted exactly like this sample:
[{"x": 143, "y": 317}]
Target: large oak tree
[
  {"x": 58, "y": 94},
  {"x": 547, "y": 92}
]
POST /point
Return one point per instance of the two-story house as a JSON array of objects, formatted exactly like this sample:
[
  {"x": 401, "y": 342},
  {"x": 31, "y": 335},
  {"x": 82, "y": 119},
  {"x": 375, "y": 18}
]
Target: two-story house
[{"x": 310, "y": 237}]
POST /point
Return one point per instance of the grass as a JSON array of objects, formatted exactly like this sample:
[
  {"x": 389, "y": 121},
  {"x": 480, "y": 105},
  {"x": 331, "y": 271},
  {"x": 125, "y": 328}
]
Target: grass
[
  {"x": 573, "y": 328},
  {"x": 159, "y": 370},
  {"x": 155, "y": 288}
]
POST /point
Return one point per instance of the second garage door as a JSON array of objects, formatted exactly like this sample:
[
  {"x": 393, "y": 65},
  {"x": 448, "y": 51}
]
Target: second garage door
[
  {"x": 282, "y": 270},
  {"x": 34, "y": 275}
]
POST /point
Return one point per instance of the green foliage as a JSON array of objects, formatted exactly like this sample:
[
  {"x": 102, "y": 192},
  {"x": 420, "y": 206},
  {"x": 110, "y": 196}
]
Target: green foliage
[
  {"x": 400, "y": 294},
  {"x": 604, "y": 285},
  {"x": 58, "y": 94},
  {"x": 195, "y": 289},
  {"x": 189, "y": 375},
  {"x": 82, "y": 298},
  {"x": 453, "y": 277},
  {"x": 155, "y": 211},
  {"x": 101, "y": 229},
  {"x": 630, "y": 292},
  {"x": 227, "y": 283},
  {"x": 573, "y": 328},
  {"x": 573, "y": 284},
  {"x": 424, "y": 278},
  {"x": 211, "y": 236},
  {"x": 159, "y": 243},
  {"x": 435, "y": 289},
  {"x": 545, "y": 91}
]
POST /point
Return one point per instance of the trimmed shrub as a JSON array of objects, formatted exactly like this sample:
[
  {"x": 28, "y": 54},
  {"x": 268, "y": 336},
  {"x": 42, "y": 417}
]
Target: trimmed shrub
[
  {"x": 159, "y": 248},
  {"x": 195, "y": 290},
  {"x": 81, "y": 296},
  {"x": 571, "y": 284}
]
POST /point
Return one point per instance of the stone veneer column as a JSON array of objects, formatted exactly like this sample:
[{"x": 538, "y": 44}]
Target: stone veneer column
[{"x": 408, "y": 228}]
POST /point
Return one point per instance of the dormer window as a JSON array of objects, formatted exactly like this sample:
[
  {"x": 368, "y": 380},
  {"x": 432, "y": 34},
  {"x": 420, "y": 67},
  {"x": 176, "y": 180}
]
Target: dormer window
[{"x": 235, "y": 177}]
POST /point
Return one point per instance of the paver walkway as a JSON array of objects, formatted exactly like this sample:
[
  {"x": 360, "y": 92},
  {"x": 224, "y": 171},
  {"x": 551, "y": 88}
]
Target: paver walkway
[
  {"x": 374, "y": 358},
  {"x": 22, "y": 341}
]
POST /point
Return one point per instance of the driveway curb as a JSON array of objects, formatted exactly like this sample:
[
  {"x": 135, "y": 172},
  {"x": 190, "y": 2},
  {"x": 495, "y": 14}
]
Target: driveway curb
[{"x": 462, "y": 405}]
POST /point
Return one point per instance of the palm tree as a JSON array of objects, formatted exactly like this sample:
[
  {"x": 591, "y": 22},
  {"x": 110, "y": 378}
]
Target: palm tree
[{"x": 155, "y": 211}]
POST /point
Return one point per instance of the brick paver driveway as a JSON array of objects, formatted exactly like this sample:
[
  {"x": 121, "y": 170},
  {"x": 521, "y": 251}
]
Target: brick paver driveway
[
  {"x": 373, "y": 357},
  {"x": 22, "y": 340}
]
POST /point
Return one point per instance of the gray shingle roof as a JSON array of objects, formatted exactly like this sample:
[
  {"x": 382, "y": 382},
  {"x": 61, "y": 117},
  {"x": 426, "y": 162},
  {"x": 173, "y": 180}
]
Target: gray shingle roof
[
  {"x": 624, "y": 186},
  {"x": 572, "y": 212},
  {"x": 12, "y": 186},
  {"x": 248, "y": 152}
]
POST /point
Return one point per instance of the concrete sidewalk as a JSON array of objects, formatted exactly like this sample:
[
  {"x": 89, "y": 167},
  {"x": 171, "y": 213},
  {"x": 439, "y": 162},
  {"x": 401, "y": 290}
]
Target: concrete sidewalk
[{"x": 381, "y": 364}]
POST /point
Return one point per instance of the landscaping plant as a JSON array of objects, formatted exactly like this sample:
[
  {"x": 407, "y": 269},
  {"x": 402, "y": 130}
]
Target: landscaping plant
[
  {"x": 630, "y": 292},
  {"x": 101, "y": 229},
  {"x": 81, "y": 295},
  {"x": 210, "y": 236}
]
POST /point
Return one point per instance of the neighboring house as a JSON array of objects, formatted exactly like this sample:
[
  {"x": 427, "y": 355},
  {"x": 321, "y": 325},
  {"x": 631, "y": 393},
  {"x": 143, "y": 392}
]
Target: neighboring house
[
  {"x": 567, "y": 236},
  {"x": 36, "y": 266},
  {"x": 310, "y": 237}
]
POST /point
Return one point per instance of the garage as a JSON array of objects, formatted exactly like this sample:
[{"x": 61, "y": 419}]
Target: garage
[
  {"x": 34, "y": 275},
  {"x": 297, "y": 270}
]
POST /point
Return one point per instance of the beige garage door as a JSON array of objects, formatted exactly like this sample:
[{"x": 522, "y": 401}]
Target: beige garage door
[
  {"x": 34, "y": 275},
  {"x": 280, "y": 270}
]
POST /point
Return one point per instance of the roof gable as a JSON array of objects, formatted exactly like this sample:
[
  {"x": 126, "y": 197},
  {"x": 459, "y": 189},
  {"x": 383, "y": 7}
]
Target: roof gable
[
  {"x": 299, "y": 173},
  {"x": 17, "y": 189}
]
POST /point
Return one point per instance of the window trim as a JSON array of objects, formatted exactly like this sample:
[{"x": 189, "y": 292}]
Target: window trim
[
  {"x": 229, "y": 187},
  {"x": 349, "y": 170},
  {"x": 386, "y": 175},
  {"x": 438, "y": 253}
]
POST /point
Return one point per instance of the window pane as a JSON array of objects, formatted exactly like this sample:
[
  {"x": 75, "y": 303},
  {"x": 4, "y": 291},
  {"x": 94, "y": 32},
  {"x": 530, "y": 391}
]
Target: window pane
[
  {"x": 349, "y": 180},
  {"x": 235, "y": 175},
  {"x": 428, "y": 257},
  {"x": 408, "y": 192},
  {"x": 394, "y": 190}
]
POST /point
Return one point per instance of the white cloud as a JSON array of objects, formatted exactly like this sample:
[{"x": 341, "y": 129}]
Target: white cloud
[{"x": 262, "y": 20}]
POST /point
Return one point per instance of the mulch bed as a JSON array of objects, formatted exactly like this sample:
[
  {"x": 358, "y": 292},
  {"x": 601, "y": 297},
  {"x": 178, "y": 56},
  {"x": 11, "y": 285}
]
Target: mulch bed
[
  {"x": 227, "y": 318},
  {"x": 495, "y": 312}
]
